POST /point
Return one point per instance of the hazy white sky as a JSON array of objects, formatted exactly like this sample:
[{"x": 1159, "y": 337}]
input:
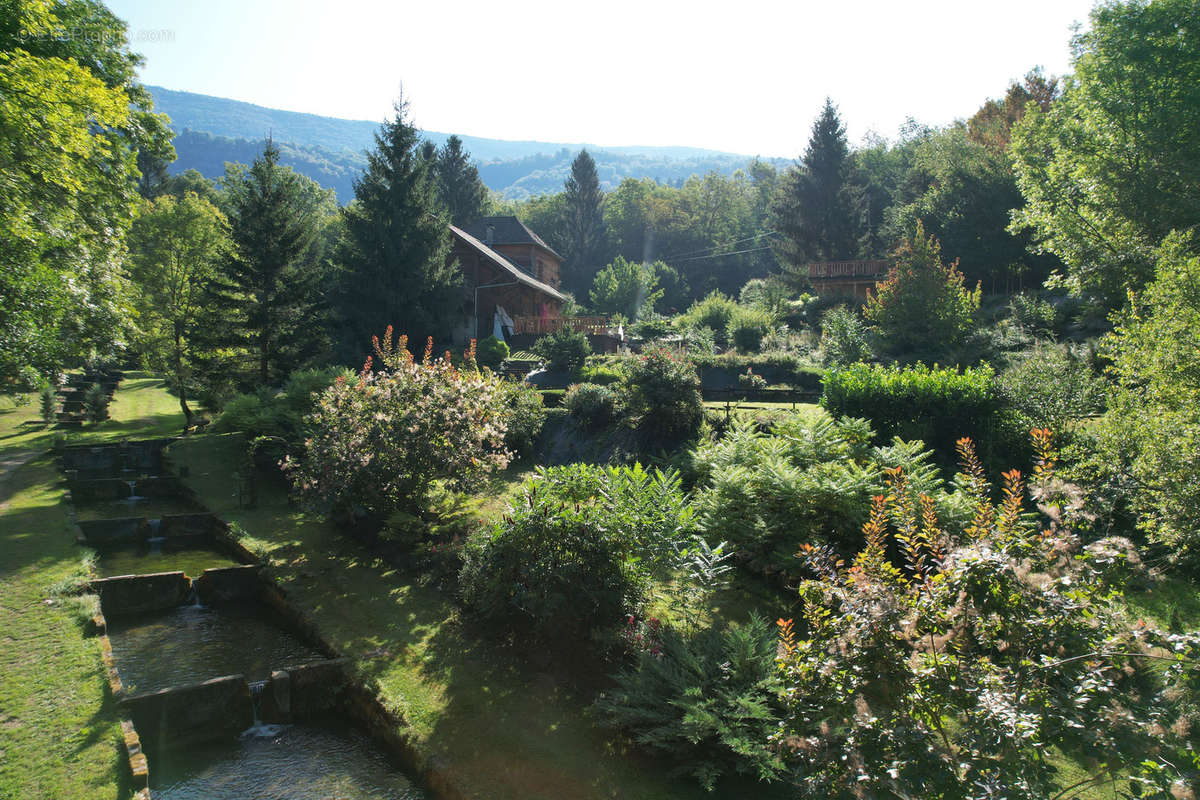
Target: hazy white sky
[{"x": 746, "y": 76}]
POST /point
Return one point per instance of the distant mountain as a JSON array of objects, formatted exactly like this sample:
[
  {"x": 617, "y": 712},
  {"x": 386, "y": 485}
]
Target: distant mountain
[{"x": 331, "y": 151}]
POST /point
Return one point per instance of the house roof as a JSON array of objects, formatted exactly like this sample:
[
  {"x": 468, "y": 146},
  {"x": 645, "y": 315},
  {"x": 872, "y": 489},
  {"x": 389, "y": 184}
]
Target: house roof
[
  {"x": 505, "y": 265},
  {"x": 507, "y": 230}
]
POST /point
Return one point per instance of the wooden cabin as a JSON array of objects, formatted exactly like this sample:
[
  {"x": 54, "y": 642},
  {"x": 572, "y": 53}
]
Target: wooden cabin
[
  {"x": 508, "y": 274},
  {"x": 850, "y": 278}
]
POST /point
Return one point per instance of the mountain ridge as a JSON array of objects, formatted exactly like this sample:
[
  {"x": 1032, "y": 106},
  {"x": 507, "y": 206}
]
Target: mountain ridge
[{"x": 331, "y": 150}]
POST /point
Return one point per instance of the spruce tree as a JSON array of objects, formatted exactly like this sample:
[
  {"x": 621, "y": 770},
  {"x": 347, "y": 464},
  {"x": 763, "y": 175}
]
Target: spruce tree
[
  {"x": 818, "y": 209},
  {"x": 271, "y": 288},
  {"x": 394, "y": 268},
  {"x": 461, "y": 191},
  {"x": 583, "y": 223}
]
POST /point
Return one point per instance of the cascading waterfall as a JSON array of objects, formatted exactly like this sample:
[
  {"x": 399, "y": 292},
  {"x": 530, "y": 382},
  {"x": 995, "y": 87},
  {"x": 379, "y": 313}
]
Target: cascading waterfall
[
  {"x": 133, "y": 495},
  {"x": 259, "y": 729}
]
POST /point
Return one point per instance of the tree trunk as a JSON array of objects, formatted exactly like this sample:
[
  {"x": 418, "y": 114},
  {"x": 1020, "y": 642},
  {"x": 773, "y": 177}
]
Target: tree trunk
[{"x": 179, "y": 377}]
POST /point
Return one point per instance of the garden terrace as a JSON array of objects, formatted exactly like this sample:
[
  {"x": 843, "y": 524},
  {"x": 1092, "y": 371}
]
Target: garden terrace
[{"x": 846, "y": 277}]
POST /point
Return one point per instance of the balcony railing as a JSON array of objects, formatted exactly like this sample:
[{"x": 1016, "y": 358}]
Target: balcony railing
[
  {"x": 539, "y": 326},
  {"x": 848, "y": 269}
]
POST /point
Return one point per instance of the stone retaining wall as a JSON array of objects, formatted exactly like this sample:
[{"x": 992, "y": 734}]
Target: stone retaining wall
[
  {"x": 138, "y": 594},
  {"x": 228, "y": 584},
  {"x": 198, "y": 712}
]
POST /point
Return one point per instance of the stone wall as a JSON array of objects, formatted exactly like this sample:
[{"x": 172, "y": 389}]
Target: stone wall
[
  {"x": 304, "y": 692},
  {"x": 194, "y": 713},
  {"x": 228, "y": 584},
  {"x": 99, "y": 532},
  {"x": 138, "y": 594}
]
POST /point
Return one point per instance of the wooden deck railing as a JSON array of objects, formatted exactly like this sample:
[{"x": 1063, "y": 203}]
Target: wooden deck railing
[
  {"x": 848, "y": 269},
  {"x": 539, "y": 326}
]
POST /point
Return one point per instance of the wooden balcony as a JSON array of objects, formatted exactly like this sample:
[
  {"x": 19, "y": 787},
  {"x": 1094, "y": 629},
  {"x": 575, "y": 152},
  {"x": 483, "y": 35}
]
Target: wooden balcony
[
  {"x": 872, "y": 269},
  {"x": 539, "y": 326}
]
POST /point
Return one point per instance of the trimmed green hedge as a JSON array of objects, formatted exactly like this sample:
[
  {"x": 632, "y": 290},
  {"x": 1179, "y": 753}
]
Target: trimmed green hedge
[{"x": 938, "y": 405}]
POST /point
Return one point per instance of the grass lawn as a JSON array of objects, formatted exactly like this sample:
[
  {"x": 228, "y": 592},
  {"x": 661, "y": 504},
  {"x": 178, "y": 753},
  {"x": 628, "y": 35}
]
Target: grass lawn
[
  {"x": 59, "y": 734},
  {"x": 497, "y": 722}
]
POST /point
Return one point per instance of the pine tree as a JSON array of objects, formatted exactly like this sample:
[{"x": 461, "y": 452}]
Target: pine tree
[
  {"x": 394, "y": 255},
  {"x": 271, "y": 288},
  {"x": 583, "y": 223},
  {"x": 461, "y": 191},
  {"x": 818, "y": 209}
]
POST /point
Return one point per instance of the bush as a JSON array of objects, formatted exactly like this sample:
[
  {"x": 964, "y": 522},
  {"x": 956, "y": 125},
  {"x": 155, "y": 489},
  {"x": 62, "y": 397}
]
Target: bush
[
  {"x": 703, "y": 701},
  {"x": 922, "y": 305},
  {"x": 525, "y": 414},
  {"x": 592, "y": 405},
  {"x": 251, "y": 414},
  {"x": 713, "y": 312},
  {"x": 95, "y": 403},
  {"x": 806, "y": 482},
  {"x": 491, "y": 352},
  {"x": 751, "y": 380},
  {"x": 935, "y": 404},
  {"x": 662, "y": 393},
  {"x": 380, "y": 441},
  {"x": 653, "y": 326},
  {"x": 948, "y": 668},
  {"x": 746, "y": 328},
  {"x": 49, "y": 403},
  {"x": 1052, "y": 385},
  {"x": 604, "y": 373},
  {"x": 1032, "y": 313},
  {"x": 551, "y": 570},
  {"x": 564, "y": 349},
  {"x": 844, "y": 337},
  {"x": 281, "y": 414}
]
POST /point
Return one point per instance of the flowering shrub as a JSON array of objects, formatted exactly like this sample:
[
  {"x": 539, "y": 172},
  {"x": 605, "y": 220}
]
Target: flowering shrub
[
  {"x": 953, "y": 674},
  {"x": 594, "y": 406},
  {"x": 662, "y": 393},
  {"x": 379, "y": 442},
  {"x": 751, "y": 379}
]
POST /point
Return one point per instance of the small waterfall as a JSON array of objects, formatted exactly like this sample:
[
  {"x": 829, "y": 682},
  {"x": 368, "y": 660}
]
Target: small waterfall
[
  {"x": 259, "y": 729},
  {"x": 133, "y": 495}
]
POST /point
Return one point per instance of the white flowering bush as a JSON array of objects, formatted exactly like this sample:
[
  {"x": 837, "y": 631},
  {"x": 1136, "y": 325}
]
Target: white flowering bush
[{"x": 380, "y": 442}]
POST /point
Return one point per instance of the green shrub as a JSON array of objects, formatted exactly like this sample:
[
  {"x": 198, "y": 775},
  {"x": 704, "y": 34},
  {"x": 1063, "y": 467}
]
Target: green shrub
[
  {"x": 922, "y": 305},
  {"x": 1032, "y": 313},
  {"x": 550, "y": 570},
  {"x": 564, "y": 349},
  {"x": 704, "y": 701},
  {"x": 938, "y": 405},
  {"x": 768, "y": 294},
  {"x": 249, "y": 413},
  {"x": 592, "y": 405},
  {"x": 525, "y": 414},
  {"x": 746, "y": 328},
  {"x": 491, "y": 352},
  {"x": 713, "y": 312},
  {"x": 751, "y": 380},
  {"x": 844, "y": 337},
  {"x": 1052, "y": 385},
  {"x": 662, "y": 393},
  {"x": 653, "y": 326},
  {"x": 49, "y": 403},
  {"x": 95, "y": 403},
  {"x": 380, "y": 442},
  {"x": 602, "y": 372}
]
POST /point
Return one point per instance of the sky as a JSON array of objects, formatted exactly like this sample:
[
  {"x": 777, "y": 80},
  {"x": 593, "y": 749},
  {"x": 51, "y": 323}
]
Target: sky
[{"x": 744, "y": 76}]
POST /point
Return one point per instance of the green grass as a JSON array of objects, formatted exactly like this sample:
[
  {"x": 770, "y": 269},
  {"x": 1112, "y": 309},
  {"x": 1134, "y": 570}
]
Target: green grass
[
  {"x": 59, "y": 732},
  {"x": 501, "y": 722},
  {"x": 141, "y": 409}
]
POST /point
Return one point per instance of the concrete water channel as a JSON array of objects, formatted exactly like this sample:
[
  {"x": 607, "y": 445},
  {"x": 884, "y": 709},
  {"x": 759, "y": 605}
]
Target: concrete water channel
[{"x": 225, "y": 690}]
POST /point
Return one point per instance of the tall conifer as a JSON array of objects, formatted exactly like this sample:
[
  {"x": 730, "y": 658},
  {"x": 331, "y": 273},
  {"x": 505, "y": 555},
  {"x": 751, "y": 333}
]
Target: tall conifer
[
  {"x": 583, "y": 223},
  {"x": 394, "y": 255},
  {"x": 462, "y": 192}
]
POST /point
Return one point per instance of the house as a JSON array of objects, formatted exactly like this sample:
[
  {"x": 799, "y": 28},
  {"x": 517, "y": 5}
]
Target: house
[
  {"x": 850, "y": 278},
  {"x": 509, "y": 273}
]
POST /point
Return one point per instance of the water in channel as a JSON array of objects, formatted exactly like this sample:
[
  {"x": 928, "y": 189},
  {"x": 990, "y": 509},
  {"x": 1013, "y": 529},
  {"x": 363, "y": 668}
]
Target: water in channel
[
  {"x": 142, "y": 560},
  {"x": 189, "y": 644},
  {"x": 297, "y": 762}
]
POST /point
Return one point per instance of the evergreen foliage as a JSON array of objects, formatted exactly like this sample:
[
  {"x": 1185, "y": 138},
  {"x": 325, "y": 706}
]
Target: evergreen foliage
[
  {"x": 922, "y": 307},
  {"x": 817, "y": 210},
  {"x": 563, "y": 349},
  {"x": 583, "y": 223},
  {"x": 460, "y": 190},
  {"x": 662, "y": 394},
  {"x": 271, "y": 288},
  {"x": 393, "y": 258}
]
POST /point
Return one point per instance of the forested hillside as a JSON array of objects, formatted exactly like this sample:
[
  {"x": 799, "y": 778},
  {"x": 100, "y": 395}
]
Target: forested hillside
[{"x": 213, "y": 130}]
